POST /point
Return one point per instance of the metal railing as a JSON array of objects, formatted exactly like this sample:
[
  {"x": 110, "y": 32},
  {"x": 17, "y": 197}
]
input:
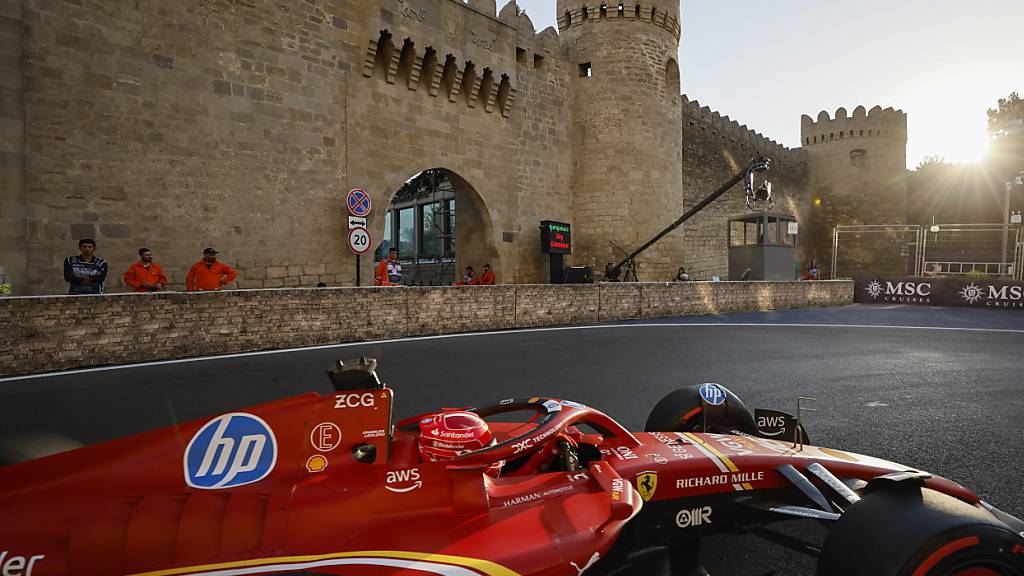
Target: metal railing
[
  {"x": 910, "y": 239},
  {"x": 950, "y": 249},
  {"x": 983, "y": 248}
]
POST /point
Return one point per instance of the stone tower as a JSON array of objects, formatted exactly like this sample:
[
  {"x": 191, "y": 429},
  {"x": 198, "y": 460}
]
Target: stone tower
[
  {"x": 626, "y": 138},
  {"x": 857, "y": 168}
]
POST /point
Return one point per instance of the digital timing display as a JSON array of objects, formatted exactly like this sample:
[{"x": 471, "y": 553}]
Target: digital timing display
[{"x": 555, "y": 238}]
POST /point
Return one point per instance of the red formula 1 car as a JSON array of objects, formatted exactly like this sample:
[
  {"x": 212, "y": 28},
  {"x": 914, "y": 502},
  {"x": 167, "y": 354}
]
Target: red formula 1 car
[{"x": 328, "y": 485}]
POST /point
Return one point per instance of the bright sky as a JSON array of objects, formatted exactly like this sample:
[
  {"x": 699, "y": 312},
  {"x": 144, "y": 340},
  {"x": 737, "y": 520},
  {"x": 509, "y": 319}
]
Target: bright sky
[{"x": 943, "y": 62}]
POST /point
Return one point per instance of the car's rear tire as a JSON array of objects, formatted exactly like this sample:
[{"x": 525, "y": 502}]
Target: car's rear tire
[
  {"x": 683, "y": 411},
  {"x": 912, "y": 531}
]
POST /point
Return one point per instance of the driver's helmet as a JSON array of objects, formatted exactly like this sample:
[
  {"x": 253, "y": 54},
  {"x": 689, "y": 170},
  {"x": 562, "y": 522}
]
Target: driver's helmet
[{"x": 445, "y": 435}]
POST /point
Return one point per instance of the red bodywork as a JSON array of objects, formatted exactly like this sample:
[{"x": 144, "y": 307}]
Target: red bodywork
[{"x": 126, "y": 507}]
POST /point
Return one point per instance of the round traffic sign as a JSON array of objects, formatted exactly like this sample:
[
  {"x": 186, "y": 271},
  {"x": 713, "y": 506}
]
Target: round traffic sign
[
  {"x": 358, "y": 202},
  {"x": 359, "y": 240}
]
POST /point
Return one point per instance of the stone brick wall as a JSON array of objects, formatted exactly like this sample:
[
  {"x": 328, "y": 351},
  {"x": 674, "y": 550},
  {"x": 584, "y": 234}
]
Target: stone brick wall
[
  {"x": 176, "y": 125},
  {"x": 63, "y": 332},
  {"x": 626, "y": 141},
  {"x": 241, "y": 125},
  {"x": 858, "y": 168},
  {"x": 714, "y": 148},
  {"x": 13, "y": 248}
]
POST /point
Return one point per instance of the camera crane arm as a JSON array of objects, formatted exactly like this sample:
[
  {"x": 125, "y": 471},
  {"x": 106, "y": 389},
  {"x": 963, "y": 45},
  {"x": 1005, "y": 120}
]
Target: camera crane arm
[{"x": 761, "y": 194}]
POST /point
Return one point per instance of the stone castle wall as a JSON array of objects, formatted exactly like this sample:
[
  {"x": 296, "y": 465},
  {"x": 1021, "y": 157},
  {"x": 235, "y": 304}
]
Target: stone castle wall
[
  {"x": 857, "y": 168},
  {"x": 178, "y": 126},
  {"x": 626, "y": 143},
  {"x": 242, "y": 127},
  {"x": 64, "y": 332},
  {"x": 716, "y": 147},
  {"x": 181, "y": 125},
  {"x": 13, "y": 210}
]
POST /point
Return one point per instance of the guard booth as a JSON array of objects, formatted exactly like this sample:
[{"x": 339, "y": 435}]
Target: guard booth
[{"x": 762, "y": 246}]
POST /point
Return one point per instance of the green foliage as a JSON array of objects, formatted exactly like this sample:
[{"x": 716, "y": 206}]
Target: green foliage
[
  {"x": 1009, "y": 109},
  {"x": 977, "y": 275},
  {"x": 5, "y": 289},
  {"x": 931, "y": 162}
]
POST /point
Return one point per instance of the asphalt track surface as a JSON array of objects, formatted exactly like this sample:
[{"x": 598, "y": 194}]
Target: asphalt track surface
[{"x": 937, "y": 389}]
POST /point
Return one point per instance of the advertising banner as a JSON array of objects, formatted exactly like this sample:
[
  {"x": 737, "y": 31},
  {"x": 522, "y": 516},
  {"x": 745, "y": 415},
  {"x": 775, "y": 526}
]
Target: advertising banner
[{"x": 962, "y": 292}]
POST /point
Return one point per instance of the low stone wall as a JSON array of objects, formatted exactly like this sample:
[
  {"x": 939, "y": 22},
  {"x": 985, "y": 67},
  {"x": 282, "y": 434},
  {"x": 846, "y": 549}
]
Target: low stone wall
[{"x": 47, "y": 333}]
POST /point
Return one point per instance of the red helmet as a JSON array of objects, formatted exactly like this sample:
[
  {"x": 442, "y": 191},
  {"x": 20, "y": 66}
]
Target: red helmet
[{"x": 446, "y": 435}]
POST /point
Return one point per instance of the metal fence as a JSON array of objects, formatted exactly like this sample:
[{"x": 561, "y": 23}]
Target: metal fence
[
  {"x": 885, "y": 249},
  {"x": 956, "y": 249},
  {"x": 995, "y": 250}
]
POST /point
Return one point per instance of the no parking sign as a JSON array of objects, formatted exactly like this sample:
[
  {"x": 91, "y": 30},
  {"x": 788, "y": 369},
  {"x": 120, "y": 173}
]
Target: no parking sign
[{"x": 359, "y": 203}]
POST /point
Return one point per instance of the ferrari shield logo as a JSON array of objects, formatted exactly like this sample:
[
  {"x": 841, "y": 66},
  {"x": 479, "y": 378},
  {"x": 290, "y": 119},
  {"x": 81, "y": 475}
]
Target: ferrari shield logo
[{"x": 646, "y": 484}]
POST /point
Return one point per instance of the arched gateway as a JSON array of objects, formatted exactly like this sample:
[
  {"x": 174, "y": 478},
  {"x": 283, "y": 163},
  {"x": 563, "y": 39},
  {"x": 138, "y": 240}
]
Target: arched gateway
[{"x": 440, "y": 225}]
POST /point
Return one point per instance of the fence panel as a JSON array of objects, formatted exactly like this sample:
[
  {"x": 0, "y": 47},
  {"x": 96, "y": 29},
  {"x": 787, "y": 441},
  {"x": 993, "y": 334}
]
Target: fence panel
[
  {"x": 879, "y": 249},
  {"x": 961, "y": 249}
]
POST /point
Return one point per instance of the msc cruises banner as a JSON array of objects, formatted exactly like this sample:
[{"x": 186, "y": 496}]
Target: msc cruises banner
[{"x": 940, "y": 292}]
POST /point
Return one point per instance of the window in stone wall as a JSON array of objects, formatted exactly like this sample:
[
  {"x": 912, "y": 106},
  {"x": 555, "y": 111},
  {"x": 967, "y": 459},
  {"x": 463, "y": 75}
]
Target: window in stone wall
[
  {"x": 486, "y": 85},
  {"x": 538, "y": 61},
  {"x": 586, "y": 70},
  {"x": 406, "y": 233},
  {"x": 421, "y": 221},
  {"x": 382, "y": 58},
  {"x": 672, "y": 77},
  {"x": 468, "y": 80},
  {"x": 520, "y": 55},
  {"x": 504, "y": 89},
  {"x": 386, "y": 245},
  {"x": 428, "y": 68},
  {"x": 859, "y": 158},
  {"x": 448, "y": 75},
  {"x": 406, "y": 60},
  {"x": 431, "y": 228}
]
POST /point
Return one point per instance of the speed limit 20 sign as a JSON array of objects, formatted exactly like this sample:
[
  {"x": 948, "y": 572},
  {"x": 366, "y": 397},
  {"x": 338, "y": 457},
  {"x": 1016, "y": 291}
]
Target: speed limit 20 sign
[{"x": 359, "y": 240}]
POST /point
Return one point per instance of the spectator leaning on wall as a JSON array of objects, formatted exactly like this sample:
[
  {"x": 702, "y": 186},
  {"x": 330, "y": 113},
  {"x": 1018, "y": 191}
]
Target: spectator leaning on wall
[
  {"x": 389, "y": 271},
  {"x": 145, "y": 275},
  {"x": 208, "y": 274},
  {"x": 85, "y": 273},
  {"x": 485, "y": 279}
]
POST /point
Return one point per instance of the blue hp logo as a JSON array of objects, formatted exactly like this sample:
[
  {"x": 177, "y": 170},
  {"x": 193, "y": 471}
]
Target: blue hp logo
[
  {"x": 231, "y": 450},
  {"x": 712, "y": 394}
]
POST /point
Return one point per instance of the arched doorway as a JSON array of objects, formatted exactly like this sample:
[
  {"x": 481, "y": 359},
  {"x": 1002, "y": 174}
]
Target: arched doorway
[{"x": 439, "y": 224}]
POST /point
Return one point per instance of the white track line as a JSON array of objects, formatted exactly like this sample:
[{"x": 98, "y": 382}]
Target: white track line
[{"x": 500, "y": 333}]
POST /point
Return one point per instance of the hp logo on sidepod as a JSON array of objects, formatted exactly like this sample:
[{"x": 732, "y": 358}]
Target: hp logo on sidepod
[{"x": 230, "y": 450}]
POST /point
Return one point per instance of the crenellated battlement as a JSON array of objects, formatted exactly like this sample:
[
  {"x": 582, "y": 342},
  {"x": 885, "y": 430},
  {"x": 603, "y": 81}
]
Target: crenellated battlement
[
  {"x": 876, "y": 123},
  {"x": 546, "y": 41},
  {"x": 664, "y": 14},
  {"x": 729, "y": 129}
]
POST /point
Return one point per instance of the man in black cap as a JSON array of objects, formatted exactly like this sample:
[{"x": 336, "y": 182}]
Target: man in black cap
[
  {"x": 208, "y": 274},
  {"x": 85, "y": 273}
]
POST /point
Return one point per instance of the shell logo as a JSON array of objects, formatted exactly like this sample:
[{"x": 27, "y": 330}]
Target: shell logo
[{"x": 316, "y": 463}]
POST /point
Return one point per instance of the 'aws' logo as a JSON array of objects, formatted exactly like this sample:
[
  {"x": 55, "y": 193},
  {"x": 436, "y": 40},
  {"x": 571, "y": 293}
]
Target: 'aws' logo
[{"x": 403, "y": 480}]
